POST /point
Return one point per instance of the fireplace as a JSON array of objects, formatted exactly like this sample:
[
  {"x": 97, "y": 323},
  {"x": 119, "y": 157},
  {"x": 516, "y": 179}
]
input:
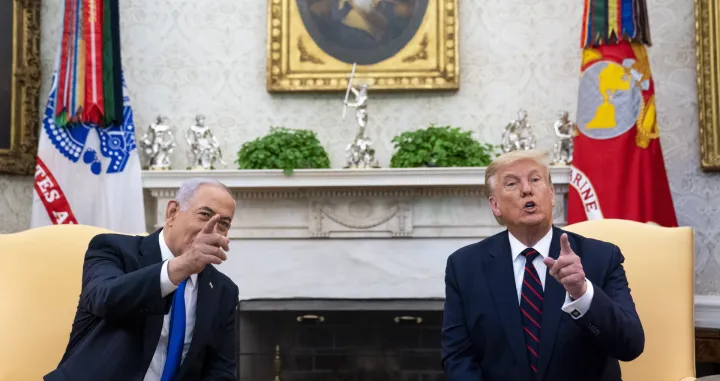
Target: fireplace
[
  {"x": 339, "y": 340},
  {"x": 341, "y": 273}
]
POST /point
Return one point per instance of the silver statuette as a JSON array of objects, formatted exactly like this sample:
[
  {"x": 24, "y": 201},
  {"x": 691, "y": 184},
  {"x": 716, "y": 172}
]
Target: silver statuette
[
  {"x": 563, "y": 147},
  {"x": 157, "y": 144},
  {"x": 204, "y": 148},
  {"x": 518, "y": 134},
  {"x": 360, "y": 153}
]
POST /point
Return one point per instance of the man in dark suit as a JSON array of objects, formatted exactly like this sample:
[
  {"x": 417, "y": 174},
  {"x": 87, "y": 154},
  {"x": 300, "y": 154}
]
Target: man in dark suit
[
  {"x": 154, "y": 308},
  {"x": 506, "y": 319}
]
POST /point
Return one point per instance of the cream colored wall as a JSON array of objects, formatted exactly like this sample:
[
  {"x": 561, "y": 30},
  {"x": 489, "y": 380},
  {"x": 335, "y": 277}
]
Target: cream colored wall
[{"x": 202, "y": 56}]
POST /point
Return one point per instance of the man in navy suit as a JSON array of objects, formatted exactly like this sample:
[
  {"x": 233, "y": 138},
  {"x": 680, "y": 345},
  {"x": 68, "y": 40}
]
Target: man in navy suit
[
  {"x": 505, "y": 319},
  {"x": 154, "y": 308}
]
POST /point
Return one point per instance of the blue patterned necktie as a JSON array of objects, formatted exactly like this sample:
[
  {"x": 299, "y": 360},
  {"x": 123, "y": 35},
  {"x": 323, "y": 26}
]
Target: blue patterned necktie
[
  {"x": 531, "y": 307},
  {"x": 177, "y": 334}
]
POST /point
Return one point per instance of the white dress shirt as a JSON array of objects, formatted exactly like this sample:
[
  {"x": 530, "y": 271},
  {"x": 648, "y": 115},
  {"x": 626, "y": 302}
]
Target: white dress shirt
[
  {"x": 576, "y": 308},
  {"x": 157, "y": 364}
]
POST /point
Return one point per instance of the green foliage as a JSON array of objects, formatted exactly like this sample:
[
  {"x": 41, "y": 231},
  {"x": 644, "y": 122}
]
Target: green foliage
[
  {"x": 283, "y": 148},
  {"x": 442, "y": 146}
]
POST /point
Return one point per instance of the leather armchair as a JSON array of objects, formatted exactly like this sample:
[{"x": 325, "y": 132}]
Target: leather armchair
[
  {"x": 659, "y": 263},
  {"x": 39, "y": 289}
]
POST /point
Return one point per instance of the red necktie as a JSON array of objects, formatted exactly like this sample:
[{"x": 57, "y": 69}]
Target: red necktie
[{"x": 531, "y": 307}]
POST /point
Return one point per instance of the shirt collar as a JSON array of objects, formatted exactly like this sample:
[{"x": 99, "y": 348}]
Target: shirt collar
[
  {"x": 166, "y": 254},
  {"x": 542, "y": 246}
]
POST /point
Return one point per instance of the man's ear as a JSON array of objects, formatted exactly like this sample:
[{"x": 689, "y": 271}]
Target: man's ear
[
  {"x": 494, "y": 206},
  {"x": 171, "y": 212}
]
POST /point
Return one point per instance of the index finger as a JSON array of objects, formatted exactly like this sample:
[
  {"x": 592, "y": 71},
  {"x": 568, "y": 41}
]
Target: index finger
[
  {"x": 565, "y": 245},
  {"x": 210, "y": 225}
]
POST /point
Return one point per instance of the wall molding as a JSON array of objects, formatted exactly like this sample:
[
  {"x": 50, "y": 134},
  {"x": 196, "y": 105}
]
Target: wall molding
[{"x": 707, "y": 311}]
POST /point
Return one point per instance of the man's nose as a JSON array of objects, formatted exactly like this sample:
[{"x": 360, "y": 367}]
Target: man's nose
[{"x": 525, "y": 188}]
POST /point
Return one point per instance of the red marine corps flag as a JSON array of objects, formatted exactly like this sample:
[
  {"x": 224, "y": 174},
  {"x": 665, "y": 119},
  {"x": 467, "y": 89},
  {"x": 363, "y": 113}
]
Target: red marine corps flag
[{"x": 618, "y": 169}]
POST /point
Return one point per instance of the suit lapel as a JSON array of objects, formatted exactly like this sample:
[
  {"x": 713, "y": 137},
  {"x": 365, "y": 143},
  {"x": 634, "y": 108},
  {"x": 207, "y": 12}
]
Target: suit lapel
[
  {"x": 552, "y": 313},
  {"x": 501, "y": 281},
  {"x": 208, "y": 295},
  {"x": 150, "y": 255}
]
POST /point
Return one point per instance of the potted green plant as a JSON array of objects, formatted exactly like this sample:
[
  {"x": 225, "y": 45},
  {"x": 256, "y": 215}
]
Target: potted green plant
[
  {"x": 283, "y": 148},
  {"x": 440, "y": 146}
]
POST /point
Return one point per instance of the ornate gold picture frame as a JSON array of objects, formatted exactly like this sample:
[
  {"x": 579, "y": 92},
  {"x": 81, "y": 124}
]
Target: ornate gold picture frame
[
  {"x": 396, "y": 44},
  {"x": 707, "y": 35},
  {"x": 19, "y": 85}
]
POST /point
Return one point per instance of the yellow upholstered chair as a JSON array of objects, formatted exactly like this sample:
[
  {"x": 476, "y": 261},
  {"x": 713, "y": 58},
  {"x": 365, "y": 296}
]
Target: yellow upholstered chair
[
  {"x": 659, "y": 263},
  {"x": 39, "y": 288}
]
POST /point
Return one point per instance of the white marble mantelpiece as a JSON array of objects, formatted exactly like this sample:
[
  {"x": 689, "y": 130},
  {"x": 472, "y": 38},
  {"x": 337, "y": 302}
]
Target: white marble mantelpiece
[
  {"x": 354, "y": 234},
  {"x": 336, "y": 203},
  {"x": 321, "y": 178},
  {"x": 346, "y": 234}
]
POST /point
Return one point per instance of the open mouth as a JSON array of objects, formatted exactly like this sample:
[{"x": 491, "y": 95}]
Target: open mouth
[{"x": 529, "y": 206}]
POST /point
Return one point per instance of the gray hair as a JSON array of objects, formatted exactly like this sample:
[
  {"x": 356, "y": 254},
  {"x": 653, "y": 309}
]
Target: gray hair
[{"x": 188, "y": 188}]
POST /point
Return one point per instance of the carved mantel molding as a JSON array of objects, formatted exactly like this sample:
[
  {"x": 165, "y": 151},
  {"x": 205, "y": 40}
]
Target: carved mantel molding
[{"x": 335, "y": 203}]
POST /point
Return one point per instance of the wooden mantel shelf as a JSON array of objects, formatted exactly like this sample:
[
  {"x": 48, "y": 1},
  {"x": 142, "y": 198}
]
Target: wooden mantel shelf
[{"x": 335, "y": 178}]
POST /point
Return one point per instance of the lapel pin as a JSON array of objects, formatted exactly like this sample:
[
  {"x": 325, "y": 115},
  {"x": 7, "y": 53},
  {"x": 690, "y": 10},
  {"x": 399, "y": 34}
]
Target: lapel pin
[{"x": 211, "y": 286}]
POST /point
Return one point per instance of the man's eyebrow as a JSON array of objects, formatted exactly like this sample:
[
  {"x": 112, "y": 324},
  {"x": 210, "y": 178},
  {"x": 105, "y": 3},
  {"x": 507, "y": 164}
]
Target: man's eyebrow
[
  {"x": 212, "y": 212},
  {"x": 207, "y": 209}
]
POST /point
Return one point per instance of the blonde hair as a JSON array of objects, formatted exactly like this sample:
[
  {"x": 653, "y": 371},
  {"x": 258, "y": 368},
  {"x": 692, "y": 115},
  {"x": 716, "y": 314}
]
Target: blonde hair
[{"x": 538, "y": 156}]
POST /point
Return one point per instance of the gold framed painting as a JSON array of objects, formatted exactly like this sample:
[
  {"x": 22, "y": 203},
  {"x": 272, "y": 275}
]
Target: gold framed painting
[
  {"x": 707, "y": 33},
  {"x": 396, "y": 44},
  {"x": 19, "y": 85}
]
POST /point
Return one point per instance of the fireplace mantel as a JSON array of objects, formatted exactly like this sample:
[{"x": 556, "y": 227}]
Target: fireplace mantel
[
  {"x": 320, "y": 178},
  {"x": 354, "y": 234},
  {"x": 346, "y": 234},
  {"x": 338, "y": 203}
]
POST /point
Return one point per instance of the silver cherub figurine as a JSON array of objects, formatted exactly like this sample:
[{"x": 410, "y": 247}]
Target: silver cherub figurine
[
  {"x": 518, "y": 134},
  {"x": 360, "y": 153},
  {"x": 158, "y": 143},
  {"x": 565, "y": 132},
  {"x": 204, "y": 148}
]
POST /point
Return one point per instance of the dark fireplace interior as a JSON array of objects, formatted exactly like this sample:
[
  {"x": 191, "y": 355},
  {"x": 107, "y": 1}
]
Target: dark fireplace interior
[{"x": 339, "y": 340}]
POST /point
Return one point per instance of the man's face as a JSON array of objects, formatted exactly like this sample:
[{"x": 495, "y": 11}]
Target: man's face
[
  {"x": 522, "y": 195},
  {"x": 184, "y": 224}
]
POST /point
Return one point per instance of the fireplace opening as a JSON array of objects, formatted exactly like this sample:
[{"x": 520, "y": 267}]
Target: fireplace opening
[{"x": 339, "y": 340}]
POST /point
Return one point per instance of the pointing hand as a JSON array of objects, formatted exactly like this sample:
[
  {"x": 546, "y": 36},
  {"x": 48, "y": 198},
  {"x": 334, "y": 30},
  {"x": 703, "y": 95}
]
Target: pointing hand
[
  {"x": 567, "y": 269},
  {"x": 207, "y": 247}
]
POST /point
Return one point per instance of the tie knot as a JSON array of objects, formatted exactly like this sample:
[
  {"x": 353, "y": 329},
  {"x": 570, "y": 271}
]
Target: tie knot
[{"x": 530, "y": 254}]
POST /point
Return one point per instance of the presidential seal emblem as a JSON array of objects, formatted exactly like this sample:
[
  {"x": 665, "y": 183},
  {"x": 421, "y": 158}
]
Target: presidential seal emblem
[
  {"x": 116, "y": 142},
  {"x": 610, "y": 98}
]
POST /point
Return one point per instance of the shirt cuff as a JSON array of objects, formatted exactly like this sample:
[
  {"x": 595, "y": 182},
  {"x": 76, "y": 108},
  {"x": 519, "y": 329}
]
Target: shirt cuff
[
  {"x": 577, "y": 308},
  {"x": 166, "y": 285}
]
